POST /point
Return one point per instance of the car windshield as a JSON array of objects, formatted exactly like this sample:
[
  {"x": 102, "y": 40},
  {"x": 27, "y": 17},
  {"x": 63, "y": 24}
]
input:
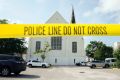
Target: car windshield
[{"x": 18, "y": 59}]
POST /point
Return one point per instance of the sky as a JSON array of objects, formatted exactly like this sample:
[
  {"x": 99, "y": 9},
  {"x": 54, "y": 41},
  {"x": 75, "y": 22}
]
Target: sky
[{"x": 86, "y": 11}]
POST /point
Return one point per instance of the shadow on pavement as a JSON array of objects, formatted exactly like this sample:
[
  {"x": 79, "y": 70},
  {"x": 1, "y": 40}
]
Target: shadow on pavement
[
  {"x": 101, "y": 68},
  {"x": 24, "y": 76}
]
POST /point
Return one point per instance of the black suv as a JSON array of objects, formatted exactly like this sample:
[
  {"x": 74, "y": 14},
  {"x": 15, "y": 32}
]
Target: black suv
[{"x": 11, "y": 64}]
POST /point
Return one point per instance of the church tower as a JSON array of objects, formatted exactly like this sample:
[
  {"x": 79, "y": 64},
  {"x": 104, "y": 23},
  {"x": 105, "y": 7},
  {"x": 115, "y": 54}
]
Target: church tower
[{"x": 73, "y": 16}]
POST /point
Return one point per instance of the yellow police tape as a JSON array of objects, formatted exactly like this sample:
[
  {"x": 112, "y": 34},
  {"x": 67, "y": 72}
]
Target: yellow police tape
[{"x": 42, "y": 30}]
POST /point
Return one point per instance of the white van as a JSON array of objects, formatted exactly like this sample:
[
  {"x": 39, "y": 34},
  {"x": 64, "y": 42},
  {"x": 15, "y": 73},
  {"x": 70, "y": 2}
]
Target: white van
[{"x": 110, "y": 61}]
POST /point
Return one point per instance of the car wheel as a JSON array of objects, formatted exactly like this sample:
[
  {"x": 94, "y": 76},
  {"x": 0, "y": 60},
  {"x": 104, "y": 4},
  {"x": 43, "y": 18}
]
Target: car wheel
[
  {"x": 17, "y": 73},
  {"x": 80, "y": 64},
  {"x": 106, "y": 66},
  {"x": 30, "y": 66},
  {"x": 5, "y": 71},
  {"x": 93, "y": 66},
  {"x": 43, "y": 66}
]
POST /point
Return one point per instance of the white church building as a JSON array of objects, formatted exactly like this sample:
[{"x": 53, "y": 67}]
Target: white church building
[{"x": 66, "y": 50}]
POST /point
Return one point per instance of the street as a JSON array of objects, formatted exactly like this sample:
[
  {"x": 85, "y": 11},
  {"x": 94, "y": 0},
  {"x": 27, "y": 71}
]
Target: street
[{"x": 66, "y": 73}]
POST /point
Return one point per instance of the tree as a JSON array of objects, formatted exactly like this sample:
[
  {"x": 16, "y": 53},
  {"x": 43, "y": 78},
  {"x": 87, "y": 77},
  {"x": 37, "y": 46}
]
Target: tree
[
  {"x": 98, "y": 50},
  {"x": 92, "y": 47},
  {"x": 117, "y": 56},
  {"x": 3, "y": 21},
  {"x": 44, "y": 51},
  {"x": 109, "y": 51},
  {"x": 12, "y": 45},
  {"x": 98, "y": 54}
]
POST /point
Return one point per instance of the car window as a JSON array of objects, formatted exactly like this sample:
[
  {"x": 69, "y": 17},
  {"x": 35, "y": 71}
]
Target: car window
[
  {"x": 108, "y": 61},
  {"x": 1, "y": 57},
  {"x": 97, "y": 61},
  {"x": 35, "y": 61},
  {"x": 113, "y": 60},
  {"x": 94, "y": 61},
  {"x": 18, "y": 58},
  {"x": 29, "y": 61},
  {"x": 5, "y": 57}
]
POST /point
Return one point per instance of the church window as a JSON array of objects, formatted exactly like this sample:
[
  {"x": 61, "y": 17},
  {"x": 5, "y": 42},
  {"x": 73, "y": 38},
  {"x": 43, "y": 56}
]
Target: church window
[
  {"x": 38, "y": 45},
  {"x": 74, "y": 47},
  {"x": 56, "y": 43}
]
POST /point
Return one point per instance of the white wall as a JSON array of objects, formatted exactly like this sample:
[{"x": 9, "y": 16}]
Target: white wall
[{"x": 64, "y": 56}]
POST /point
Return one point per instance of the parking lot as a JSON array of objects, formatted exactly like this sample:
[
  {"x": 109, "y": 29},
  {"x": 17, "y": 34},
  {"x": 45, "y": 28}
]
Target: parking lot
[{"x": 66, "y": 73}]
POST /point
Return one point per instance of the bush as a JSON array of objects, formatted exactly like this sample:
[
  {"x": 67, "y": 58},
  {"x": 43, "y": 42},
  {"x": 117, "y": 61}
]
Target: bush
[
  {"x": 118, "y": 64},
  {"x": 114, "y": 65},
  {"x": 117, "y": 56}
]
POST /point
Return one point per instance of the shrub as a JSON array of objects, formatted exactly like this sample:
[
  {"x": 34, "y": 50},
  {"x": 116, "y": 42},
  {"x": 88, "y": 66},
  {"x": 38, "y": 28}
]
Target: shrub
[{"x": 117, "y": 56}]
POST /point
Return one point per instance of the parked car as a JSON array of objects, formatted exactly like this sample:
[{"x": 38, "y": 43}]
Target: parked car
[
  {"x": 81, "y": 64},
  {"x": 98, "y": 63},
  {"x": 11, "y": 64},
  {"x": 110, "y": 61},
  {"x": 36, "y": 63}
]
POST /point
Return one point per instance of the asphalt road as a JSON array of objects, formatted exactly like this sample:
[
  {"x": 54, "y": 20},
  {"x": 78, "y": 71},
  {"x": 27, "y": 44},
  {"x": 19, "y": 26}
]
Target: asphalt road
[{"x": 66, "y": 73}]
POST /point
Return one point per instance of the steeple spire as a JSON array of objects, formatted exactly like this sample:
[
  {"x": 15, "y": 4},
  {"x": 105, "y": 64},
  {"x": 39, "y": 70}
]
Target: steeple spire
[{"x": 73, "y": 16}]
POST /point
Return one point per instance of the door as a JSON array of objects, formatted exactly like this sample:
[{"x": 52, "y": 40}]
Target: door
[{"x": 35, "y": 63}]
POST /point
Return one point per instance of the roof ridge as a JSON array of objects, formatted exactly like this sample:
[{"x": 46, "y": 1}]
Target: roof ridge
[{"x": 56, "y": 15}]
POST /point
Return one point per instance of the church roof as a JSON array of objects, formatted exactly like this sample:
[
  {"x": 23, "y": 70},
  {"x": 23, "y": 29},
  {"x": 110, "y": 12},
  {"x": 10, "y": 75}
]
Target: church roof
[{"x": 56, "y": 18}]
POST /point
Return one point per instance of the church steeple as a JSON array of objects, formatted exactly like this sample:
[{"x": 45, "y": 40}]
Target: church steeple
[{"x": 73, "y": 16}]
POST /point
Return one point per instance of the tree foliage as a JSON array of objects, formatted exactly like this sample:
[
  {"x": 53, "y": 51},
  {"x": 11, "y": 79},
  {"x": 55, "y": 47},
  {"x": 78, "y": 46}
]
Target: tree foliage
[
  {"x": 11, "y": 45},
  {"x": 98, "y": 55},
  {"x": 98, "y": 50},
  {"x": 117, "y": 56},
  {"x": 44, "y": 51},
  {"x": 3, "y": 21}
]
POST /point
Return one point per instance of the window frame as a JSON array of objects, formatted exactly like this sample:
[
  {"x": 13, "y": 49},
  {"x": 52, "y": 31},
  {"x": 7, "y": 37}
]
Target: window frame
[
  {"x": 74, "y": 47},
  {"x": 38, "y": 46},
  {"x": 56, "y": 43}
]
